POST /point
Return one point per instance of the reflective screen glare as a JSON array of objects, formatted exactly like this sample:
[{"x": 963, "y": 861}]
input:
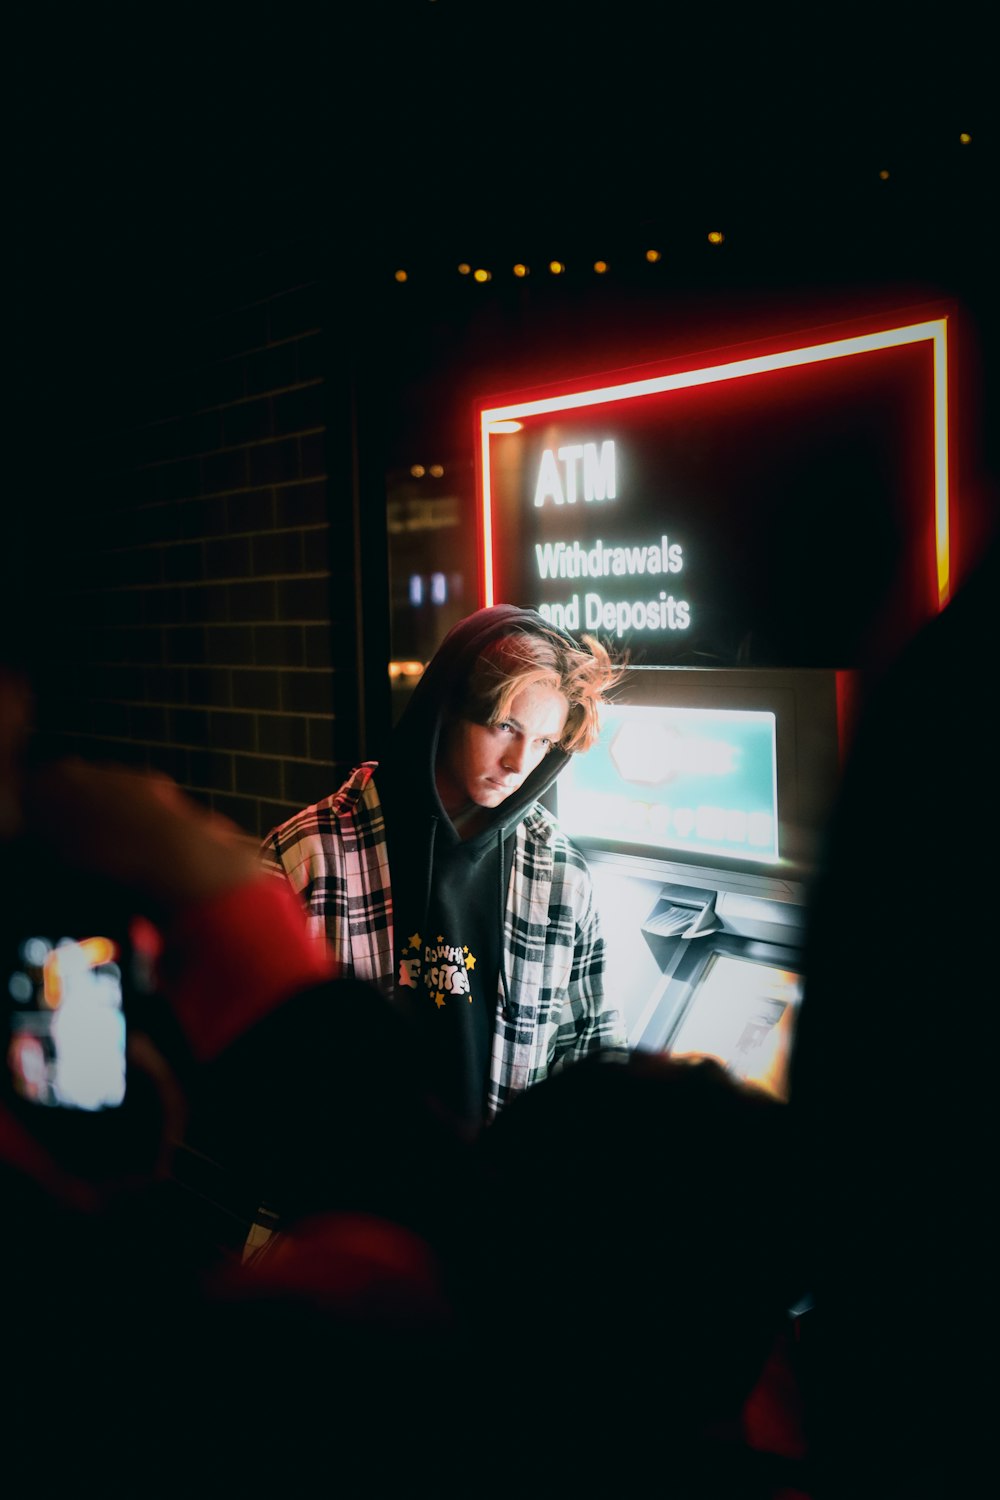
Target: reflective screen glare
[{"x": 743, "y": 1015}]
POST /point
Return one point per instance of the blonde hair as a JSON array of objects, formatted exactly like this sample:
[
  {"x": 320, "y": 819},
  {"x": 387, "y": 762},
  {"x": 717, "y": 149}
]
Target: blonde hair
[{"x": 533, "y": 658}]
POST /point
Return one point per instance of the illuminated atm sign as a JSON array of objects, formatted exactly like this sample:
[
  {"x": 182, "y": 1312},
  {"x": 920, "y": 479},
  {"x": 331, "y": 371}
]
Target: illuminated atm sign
[
  {"x": 774, "y": 509},
  {"x": 600, "y": 563}
]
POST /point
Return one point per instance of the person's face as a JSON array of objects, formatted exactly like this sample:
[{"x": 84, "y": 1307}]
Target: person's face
[{"x": 484, "y": 763}]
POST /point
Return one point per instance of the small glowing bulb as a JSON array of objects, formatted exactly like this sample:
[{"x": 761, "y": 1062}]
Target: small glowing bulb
[
  {"x": 884, "y": 175},
  {"x": 464, "y": 268},
  {"x": 520, "y": 269},
  {"x": 417, "y": 470},
  {"x": 436, "y": 470},
  {"x": 480, "y": 275},
  {"x": 556, "y": 267},
  {"x": 965, "y": 138},
  {"x": 653, "y": 256},
  {"x": 401, "y": 275},
  {"x": 600, "y": 266},
  {"x": 715, "y": 236}
]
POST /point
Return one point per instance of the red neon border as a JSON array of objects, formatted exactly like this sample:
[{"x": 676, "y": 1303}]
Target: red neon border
[{"x": 934, "y": 330}]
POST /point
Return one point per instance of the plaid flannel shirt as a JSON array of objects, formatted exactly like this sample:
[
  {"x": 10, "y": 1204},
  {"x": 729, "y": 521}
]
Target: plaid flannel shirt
[{"x": 335, "y": 856}]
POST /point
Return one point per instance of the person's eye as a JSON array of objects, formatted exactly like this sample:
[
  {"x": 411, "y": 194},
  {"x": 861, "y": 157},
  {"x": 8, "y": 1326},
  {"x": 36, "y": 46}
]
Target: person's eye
[{"x": 505, "y": 728}]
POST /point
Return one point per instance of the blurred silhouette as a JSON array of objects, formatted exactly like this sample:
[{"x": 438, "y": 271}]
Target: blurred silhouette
[
  {"x": 137, "y": 1341},
  {"x": 637, "y": 1215},
  {"x": 893, "y": 1083}
]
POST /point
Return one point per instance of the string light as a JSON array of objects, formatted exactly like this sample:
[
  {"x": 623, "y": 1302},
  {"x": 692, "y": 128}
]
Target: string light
[
  {"x": 965, "y": 138},
  {"x": 652, "y": 255},
  {"x": 417, "y": 471}
]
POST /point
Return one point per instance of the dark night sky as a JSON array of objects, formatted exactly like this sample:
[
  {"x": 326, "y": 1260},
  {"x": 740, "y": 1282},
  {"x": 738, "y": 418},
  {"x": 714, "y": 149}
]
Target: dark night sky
[
  {"x": 149, "y": 141},
  {"x": 439, "y": 121},
  {"x": 151, "y": 147}
]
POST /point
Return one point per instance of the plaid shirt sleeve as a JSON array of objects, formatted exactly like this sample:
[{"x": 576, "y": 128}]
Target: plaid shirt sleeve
[
  {"x": 334, "y": 855},
  {"x": 554, "y": 953},
  {"x": 589, "y": 1021}
]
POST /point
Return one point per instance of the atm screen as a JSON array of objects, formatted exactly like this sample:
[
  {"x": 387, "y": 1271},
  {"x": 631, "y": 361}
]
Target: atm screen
[
  {"x": 708, "y": 766},
  {"x": 662, "y": 777}
]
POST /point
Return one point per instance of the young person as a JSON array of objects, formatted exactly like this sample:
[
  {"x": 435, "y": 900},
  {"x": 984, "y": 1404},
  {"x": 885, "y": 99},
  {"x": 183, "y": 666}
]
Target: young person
[{"x": 436, "y": 874}]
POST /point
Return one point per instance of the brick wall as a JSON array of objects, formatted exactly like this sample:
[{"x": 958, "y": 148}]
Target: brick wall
[{"x": 214, "y": 626}]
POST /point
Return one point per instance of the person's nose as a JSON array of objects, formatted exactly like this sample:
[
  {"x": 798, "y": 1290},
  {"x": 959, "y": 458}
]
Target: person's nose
[{"x": 515, "y": 757}]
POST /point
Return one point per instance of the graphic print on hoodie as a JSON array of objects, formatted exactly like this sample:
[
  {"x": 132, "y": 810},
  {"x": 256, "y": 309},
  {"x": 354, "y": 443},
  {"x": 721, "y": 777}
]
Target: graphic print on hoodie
[{"x": 449, "y": 894}]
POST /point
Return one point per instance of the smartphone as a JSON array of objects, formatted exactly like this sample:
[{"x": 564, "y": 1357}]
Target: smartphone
[
  {"x": 77, "y": 967},
  {"x": 66, "y": 1009}
]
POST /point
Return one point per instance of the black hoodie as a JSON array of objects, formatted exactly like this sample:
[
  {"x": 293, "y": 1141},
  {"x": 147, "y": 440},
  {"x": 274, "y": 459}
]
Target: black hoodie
[{"x": 449, "y": 895}]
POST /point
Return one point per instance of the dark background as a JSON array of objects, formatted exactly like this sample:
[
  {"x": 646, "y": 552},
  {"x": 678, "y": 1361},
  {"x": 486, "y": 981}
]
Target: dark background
[{"x": 220, "y": 387}]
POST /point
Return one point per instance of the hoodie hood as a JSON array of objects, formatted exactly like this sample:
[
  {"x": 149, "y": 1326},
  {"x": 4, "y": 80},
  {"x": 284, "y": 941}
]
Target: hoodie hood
[
  {"x": 448, "y": 888},
  {"x": 406, "y": 772}
]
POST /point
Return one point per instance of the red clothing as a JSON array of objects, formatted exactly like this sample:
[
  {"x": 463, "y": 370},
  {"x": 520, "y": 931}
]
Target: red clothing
[{"x": 234, "y": 959}]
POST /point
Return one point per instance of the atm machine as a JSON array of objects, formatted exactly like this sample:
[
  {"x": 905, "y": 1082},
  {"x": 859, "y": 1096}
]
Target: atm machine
[
  {"x": 750, "y": 528},
  {"x": 701, "y": 811}
]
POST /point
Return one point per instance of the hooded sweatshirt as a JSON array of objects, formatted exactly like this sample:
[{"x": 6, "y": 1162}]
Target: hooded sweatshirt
[{"x": 449, "y": 893}]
